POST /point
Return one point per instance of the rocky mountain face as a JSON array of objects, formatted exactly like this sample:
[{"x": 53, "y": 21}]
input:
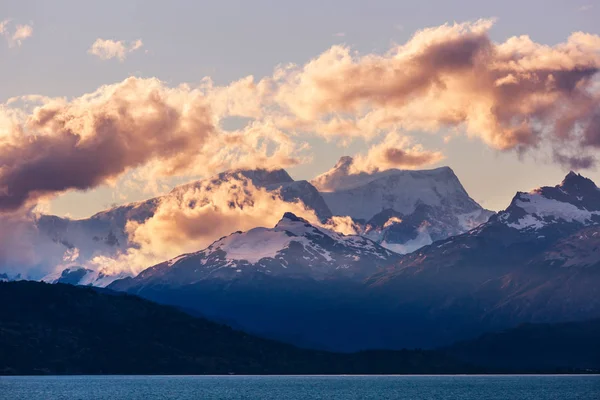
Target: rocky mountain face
[{"x": 402, "y": 210}]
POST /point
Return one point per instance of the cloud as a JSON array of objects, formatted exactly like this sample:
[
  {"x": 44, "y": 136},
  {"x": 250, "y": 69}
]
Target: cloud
[
  {"x": 395, "y": 151},
  {"x": 107, "y": 49},
  {"x": 515, "y": 95},
  {"x": 20, "y": 33},
  {"x": 195, "y": 218},
  {"x": 585, "y": 7},
  {"x": 81, "y": 143},
  {"x": 3, "y": 26},
  {"x": 339, "y": 34}
]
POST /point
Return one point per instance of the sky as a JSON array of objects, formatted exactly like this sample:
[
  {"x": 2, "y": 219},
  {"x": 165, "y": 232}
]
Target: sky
[{"x": 65, "y": 49}]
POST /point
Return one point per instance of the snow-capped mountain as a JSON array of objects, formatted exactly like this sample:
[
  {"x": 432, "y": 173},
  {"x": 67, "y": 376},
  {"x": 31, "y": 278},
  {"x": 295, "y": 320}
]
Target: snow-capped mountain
[
  {"x": 402, "y": 210},
  {"x": 293, "y": 248},
  {"x": 78, "y": 241},
  {"x": 105, "y": 232},
  {"x": 82, "y": 276},
  {"x": 536, "y": 261},
  {"x": 576, "y": 200}
]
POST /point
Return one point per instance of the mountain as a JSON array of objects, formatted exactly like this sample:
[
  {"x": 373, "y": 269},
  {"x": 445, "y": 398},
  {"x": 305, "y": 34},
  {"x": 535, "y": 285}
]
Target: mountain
[
  {"x": 289, "y": 282},
  {"x": 104, "y": 233},
  {"x": 575, "y": 201},
  {"x": 284, "y": 282},
  {"x": 496, "y": 276},
  {"x": 63, "y": 329},
  {"x": 402, "y": 210},
  {"x": 82, "y": 276},
  {"x": 536, "y": 261},
  {"x": 293, "y": 248},
  {"x": 425, "y": 209}
]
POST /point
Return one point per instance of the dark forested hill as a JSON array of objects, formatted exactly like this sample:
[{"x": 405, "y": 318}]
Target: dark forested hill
[
  {"x": 64, "y": 329},
  {"x": 569, "y": 346}
]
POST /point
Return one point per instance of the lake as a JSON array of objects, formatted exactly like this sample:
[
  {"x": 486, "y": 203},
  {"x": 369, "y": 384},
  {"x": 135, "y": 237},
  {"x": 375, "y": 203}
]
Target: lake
[{"x": 301, "y": 387}]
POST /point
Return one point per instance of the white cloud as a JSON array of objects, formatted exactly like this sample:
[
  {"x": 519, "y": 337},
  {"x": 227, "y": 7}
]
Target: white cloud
[
  {"x": 107, "y": 49},
  {"x": 18, "y": 35}
]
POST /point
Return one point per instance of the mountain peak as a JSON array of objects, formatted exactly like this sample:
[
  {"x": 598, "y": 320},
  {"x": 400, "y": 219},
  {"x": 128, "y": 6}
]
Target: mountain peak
[
  {"x": 576, "y": 183},
  {"x": 344, "y": 163},
  {"x": 260, "y": 176},
  {"x": 292, "y": 217},
  {"x": 576, "y": 200}
]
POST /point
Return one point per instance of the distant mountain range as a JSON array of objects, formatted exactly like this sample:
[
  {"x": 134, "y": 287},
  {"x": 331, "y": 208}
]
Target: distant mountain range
[
  {"x": 537, "y": 261},
  {"x": 430, "y": 205},
  {"x": 63, "y": 329}
]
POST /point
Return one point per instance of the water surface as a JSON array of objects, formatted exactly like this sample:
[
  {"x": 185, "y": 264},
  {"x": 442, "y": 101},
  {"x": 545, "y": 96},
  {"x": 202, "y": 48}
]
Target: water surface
[{"x": 301, "y": 387}]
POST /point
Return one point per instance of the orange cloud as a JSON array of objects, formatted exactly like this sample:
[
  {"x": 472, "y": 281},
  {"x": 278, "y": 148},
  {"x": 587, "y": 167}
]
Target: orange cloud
[
  {"x": 395, "y": 151},
  {"x": 94, "y": 139},
  {"x": 513, "y": 95},
  {"x": 196, "y": 217}
]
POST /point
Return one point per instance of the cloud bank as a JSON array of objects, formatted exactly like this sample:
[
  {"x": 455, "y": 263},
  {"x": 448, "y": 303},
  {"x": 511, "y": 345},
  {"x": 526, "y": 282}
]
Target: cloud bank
[
  {"x": 91, "y": 140},
  {"x": 515, "y": 95}
]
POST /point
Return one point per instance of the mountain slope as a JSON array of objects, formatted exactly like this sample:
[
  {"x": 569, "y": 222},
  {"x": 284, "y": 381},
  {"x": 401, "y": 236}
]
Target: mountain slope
[{"x": 63, "y": 329}]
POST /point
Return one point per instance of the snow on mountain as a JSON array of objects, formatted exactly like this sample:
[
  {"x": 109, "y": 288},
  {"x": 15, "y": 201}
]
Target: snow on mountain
[
  {"x": 292, "y": 248},
  {"x": 82, "y": 276},
  {"x": 402, "y": 210},
  {"x": 401, "y": 191},
  {"x": 576, "y": 200}
]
